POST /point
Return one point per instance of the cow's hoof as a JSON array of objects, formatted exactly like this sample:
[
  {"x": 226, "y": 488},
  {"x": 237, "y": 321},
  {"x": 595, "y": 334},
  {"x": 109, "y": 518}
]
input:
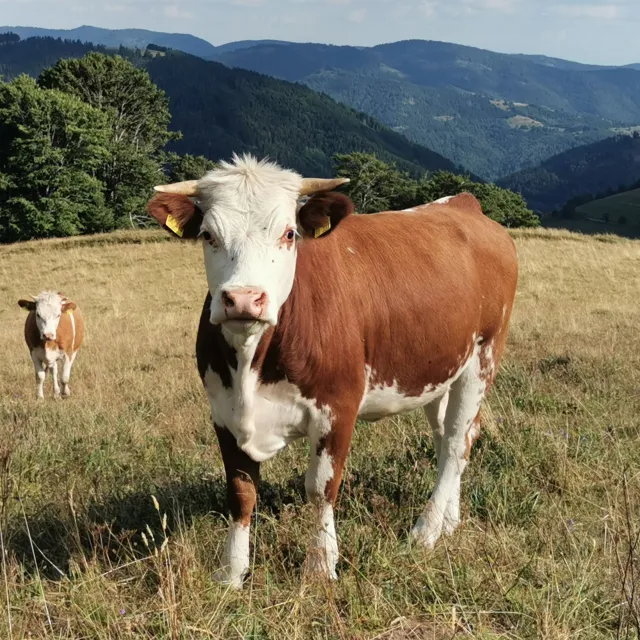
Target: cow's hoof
[
  {"x": 230, "y": 579},
  {"x": 427, "y": 531}
]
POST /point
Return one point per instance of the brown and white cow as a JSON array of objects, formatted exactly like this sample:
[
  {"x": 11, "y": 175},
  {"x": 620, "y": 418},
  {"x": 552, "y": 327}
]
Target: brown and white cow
[
  {"x": 316, "y": 318},
  {"x": 53, "y": 330}
]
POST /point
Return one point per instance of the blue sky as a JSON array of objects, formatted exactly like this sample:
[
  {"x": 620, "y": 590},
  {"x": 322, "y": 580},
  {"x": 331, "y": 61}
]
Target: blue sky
[{"x": 600, "y": 32}]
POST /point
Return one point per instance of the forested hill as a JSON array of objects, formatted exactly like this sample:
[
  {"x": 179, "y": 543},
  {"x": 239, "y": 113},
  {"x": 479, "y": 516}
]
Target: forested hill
[
  {"x": 592, "y": 169},
  {"x": 221, "y": 110}
]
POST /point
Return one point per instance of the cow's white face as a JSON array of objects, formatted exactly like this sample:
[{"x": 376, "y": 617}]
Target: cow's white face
[
  {"x": 249, "y": 242},
  {"x": 48, "y": 307}
]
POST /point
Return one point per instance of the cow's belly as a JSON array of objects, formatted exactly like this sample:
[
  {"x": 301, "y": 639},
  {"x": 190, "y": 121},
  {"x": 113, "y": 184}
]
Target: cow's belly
[
  {"x": 381, "y": 401},
  {"x": 278, "y": 416},
  {"x": 48, "y": 356}
]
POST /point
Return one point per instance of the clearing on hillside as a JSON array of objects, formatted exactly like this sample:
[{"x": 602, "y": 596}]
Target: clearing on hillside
[
  {"x": 548, "y": 547},
  {"x": 622, "y": 208}
]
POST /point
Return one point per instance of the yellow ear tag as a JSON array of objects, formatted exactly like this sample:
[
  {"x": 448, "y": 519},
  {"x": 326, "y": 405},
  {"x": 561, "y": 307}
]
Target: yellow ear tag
[
  {"x": 320, "y": 230},
  {"x": 70, "y": 312},
  {"x": 172, "y": 223}
]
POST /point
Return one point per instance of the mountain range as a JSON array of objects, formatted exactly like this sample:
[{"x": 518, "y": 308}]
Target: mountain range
[
  {"x": 527, "y": 121},
  {"x": 221, "y": 110}
]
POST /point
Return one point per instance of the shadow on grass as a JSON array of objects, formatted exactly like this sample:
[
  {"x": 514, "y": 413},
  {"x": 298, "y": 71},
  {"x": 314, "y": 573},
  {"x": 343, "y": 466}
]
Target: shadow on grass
[{"x": 110, "y": 530}]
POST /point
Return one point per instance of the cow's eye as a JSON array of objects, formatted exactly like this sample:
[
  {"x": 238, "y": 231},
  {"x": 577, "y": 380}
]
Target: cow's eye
[
  {"x": 290, "y": 235},
  {"x": 208, "y": 238}
]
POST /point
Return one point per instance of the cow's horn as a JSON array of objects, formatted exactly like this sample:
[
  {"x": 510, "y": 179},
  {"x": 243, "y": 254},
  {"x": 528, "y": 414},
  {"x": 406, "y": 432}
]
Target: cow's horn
[
  {"x": 186, "y": 188},
  {"x": 313, "y": 185}
]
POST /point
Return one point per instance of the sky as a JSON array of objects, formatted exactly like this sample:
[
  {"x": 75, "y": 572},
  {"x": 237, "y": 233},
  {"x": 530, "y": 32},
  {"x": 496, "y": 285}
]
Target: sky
[{"x": 598, "y": 32}]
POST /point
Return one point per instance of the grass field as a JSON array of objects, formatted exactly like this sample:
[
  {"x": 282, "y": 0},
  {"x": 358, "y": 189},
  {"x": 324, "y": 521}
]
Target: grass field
[
  {"x": 548, "y": 547},
  {"x": 611, "y": 209}
]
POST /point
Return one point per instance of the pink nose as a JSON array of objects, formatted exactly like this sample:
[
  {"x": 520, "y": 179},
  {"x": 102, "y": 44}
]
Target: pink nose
[
  {"x": 49, "y": 336},
  {"x": 244, "y": 303}
]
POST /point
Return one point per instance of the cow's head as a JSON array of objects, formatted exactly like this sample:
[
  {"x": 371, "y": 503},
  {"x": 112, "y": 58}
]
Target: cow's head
[
  {"x": 248, "y": 217},
  {"x": 49, "y": 307}
]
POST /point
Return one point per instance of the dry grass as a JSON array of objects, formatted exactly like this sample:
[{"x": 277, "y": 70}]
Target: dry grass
[{"x": 551, "y": 501}]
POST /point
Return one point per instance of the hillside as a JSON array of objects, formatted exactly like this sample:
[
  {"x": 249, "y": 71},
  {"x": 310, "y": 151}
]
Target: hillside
[
  {"x": 114, "y": 38},
  {"x": 460, "y": 100},
  {"x": 591, "y": 169},
  {"x": 221, "y": 110},
  {"x": 550, "y": 498}
]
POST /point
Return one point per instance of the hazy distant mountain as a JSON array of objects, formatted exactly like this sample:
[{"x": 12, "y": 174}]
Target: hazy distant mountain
[
  {"x": 130, "y": 38},
  {"x": 590, "y": 169}
]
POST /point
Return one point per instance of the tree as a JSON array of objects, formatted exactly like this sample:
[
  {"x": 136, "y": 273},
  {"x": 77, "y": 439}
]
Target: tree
[
  {"x": 375, "y": 185},
  {"x": 138, "y": 114},
  {"x": 9, "y": 38},
  {"x": 179, "y": 168},
  {"x": 52, "y": 146}
]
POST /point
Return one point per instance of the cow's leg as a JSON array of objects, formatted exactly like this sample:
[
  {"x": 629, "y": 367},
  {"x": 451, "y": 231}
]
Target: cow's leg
[
  {"x": 435, "y": 413},
  {"x": 328, "y": 455},
  {"x": 465, "y": 397},
  {"x": 66, "y": 373},
  {"x": 56, "y": 382},
  {"x": 243, "y": 475},
  {"x": 41, "y": 374}
]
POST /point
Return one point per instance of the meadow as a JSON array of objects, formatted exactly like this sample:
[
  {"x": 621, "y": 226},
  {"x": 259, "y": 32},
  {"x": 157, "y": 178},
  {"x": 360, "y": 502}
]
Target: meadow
[{"x": 112, "y": 503}]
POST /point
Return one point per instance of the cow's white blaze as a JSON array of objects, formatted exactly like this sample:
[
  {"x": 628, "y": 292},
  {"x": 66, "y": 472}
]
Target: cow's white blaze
[{"x": 249, "y": 206}]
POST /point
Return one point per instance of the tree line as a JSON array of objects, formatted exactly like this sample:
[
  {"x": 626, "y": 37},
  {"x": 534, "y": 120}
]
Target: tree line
[{"x": 82, "y": 146}]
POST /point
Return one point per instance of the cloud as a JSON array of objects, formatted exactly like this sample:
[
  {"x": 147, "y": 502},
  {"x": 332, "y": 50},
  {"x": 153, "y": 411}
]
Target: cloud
[
  {"x": 596, "y": 11},
  {"x": 428, "y": 9},
  {"x": 477, "y": 6},
  {"x": 357, "y": 16},
  {"x": 176, "y": 13}
]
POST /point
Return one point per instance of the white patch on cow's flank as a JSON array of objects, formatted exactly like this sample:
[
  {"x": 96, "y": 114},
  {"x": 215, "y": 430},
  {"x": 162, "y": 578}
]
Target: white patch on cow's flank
[
  {"x": 235, "y": 557},
  {"x": 443, "y": 200},
  {"x": 381, "y": 400}
]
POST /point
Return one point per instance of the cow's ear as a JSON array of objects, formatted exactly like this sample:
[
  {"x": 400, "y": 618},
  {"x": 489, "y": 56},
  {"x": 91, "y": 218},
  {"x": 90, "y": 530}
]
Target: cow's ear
[
  {"x": 69, "y": 306},
  {"x": 323, "y": 212},
  {"x": 27, "y": 304},
  {"x": 177, "y": 213}
]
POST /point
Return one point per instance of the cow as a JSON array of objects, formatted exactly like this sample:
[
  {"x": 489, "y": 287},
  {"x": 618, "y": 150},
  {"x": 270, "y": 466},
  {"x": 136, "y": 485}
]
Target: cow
[
  {"x": 316, "y": 318},
  {"x": 53, "y": 331}
]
